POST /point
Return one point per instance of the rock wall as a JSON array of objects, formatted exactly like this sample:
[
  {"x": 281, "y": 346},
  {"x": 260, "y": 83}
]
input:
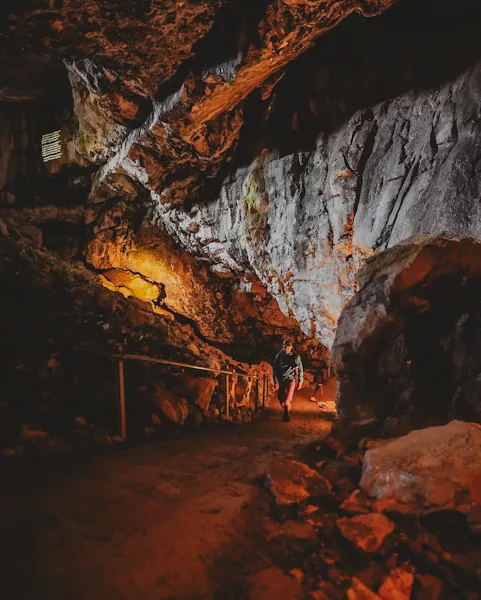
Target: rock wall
[
  {"x": 303, "y": 223},
  {"x": 288, "y": 196},
  {"x": 407, "y": 345}
]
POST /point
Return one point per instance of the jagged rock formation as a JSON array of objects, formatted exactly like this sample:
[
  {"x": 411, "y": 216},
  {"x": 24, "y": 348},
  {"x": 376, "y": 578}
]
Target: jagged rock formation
[
  {"x": 58, "y": 330},
  {"x": 387, "y": 155},
  {"x": 305, "y": 222},
  {"x": 407, "y": 344}
]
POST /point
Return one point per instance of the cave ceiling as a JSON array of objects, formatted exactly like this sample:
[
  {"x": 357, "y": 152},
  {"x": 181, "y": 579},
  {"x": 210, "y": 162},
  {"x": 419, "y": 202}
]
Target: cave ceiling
[
  {"x": 159, "y": 87},
  {"x": 189, "y": 121}
]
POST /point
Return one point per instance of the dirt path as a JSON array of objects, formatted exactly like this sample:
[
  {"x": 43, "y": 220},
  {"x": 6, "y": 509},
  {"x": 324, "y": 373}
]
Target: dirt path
[{"x": 151, "y": 522}]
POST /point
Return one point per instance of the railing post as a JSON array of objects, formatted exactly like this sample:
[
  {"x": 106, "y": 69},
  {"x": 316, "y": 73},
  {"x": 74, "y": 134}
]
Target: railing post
[
  {"x": 227, "y": 407},
  {"x": 265, "y": 389},
  {"x": 123, "y": 423}
]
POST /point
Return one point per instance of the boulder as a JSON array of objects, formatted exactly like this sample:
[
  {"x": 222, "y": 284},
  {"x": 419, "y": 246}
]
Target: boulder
[
  {"x": 291, "y": 482},
  {"x": 175, "y": 408},
  {"x": 198, "y": 390},
  {"x": 407, "y": 347},
  {"x": 414, "y": 468},
  {"x": 367, "y": 532}
]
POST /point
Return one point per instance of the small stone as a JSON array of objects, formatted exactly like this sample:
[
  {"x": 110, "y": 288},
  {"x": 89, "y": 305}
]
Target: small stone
[
  {"x": 367, "y": 532},
  {"x": 359, "y": 591},
  {"x": 309, "y": 509},
  {"x": 297, "y": 574},
  {"x": 291, "y": 481},
  {"x": 357, "y": 503},
  {"x": 397, "y": 585}
]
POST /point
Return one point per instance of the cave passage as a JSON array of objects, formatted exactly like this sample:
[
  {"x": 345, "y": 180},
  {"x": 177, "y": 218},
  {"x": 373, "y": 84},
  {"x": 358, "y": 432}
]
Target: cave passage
[{"x": 185, "y": 518}]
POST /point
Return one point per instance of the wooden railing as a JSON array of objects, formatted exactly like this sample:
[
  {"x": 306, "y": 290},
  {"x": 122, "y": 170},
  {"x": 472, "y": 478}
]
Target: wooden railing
[{"x": 261, "y": 393}]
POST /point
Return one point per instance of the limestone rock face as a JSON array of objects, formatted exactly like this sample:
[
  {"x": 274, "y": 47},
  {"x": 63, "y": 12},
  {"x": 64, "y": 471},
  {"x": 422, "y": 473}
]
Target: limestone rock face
[
  {"x": 304, "y": 223},
  {"x": 407, "y": 343},
  {"x": 170, "y": 140},
  {"x": 427, "y": 467}
]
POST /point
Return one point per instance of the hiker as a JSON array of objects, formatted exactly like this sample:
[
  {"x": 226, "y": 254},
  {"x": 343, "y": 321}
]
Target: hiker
[
  {"x": 287, "y": 369},
  {"x": 320, "y": 380}
]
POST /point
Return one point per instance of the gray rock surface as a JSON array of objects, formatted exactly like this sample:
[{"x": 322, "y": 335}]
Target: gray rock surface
[
  {"x": 413, "y": 468},
  {"x": 304, "y": 223},
  {"x": 407, "y": 344}
]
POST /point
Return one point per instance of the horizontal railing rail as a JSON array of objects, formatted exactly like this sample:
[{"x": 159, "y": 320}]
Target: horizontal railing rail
[
  {"x": 163, "y": 361},
  {"x": 262, "y": 383}
]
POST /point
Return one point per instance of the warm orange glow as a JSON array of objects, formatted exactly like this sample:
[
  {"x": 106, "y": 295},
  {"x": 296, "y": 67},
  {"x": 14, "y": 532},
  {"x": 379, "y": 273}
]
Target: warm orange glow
[{"x": 130, "y": 284}]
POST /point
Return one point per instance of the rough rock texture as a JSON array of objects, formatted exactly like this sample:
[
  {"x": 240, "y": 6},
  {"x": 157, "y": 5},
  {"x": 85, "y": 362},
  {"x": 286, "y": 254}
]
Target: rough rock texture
[
  {"x": 413, "y": 469},
  {"x": 407, "y": 344},
  {"x": 291, "y": 481},
  {"x": 388, "y": 156},
  {"x": 60, "y": 327},
  {"x": 367, "y": 532},
  {"x": 303, "y": 223}
]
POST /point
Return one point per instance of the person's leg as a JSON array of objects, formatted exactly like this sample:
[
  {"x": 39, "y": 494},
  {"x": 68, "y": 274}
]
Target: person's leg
[
  {"x": 282, "y": 395},
  {"x": 291, "y": 386},
  {"x": 319, "y": 392}
]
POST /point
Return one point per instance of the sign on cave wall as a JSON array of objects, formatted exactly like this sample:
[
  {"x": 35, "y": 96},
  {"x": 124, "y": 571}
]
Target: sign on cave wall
[{"x": 51, "y": 146}]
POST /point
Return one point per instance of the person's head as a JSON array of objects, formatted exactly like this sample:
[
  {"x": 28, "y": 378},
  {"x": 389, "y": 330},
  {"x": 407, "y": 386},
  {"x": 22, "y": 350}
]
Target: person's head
[{"x": 287, "y": 346}]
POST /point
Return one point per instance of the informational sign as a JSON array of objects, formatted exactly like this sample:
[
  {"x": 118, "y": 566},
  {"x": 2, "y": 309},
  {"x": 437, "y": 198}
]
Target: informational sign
[{"x": 51, "y": 146}]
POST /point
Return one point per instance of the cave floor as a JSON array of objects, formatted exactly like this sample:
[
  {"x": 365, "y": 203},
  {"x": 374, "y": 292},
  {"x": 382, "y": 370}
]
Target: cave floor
[{"x": 177, "y": 519}]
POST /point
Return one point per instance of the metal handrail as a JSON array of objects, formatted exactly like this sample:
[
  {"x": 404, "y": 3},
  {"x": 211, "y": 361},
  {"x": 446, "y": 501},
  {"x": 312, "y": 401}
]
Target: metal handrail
[
  {"x": 179, "y": 364},
  {"x": 122, "y": 357}
]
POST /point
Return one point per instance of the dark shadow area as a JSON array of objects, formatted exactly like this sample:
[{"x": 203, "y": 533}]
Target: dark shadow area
[
  {"x": 415, "y": 45},
  {"x": 26, "y": 180}
]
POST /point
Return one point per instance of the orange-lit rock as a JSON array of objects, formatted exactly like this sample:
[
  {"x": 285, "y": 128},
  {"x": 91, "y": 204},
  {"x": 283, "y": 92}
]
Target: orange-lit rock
[
  {"x": 359, "y": 591},
  {"x": 291, "y": 482},
  {"x": 367, "y": 532},
  {"x": 397, "y": 586},
  {"x": 130, "y": 284}
]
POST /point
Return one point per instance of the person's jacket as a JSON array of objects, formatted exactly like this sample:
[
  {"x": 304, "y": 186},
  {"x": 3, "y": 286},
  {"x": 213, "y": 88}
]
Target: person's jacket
[{"x": 288, "y": 367}]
